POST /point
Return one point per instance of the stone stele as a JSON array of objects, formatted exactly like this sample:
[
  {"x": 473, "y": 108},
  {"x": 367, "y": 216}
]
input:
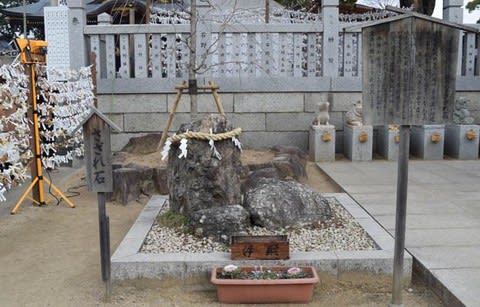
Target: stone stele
[{"x": 202, "y": 180}]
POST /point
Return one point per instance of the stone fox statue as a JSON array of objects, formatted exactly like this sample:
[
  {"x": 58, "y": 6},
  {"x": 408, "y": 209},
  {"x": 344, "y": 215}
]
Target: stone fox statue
[
  {"x": 354, "y": 116},
  {"x": 322, "y": 116}
]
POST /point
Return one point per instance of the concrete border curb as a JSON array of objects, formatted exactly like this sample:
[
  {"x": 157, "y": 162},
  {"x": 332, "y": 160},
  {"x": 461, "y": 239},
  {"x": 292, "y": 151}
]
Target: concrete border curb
[{"x": 129, "y": 263}]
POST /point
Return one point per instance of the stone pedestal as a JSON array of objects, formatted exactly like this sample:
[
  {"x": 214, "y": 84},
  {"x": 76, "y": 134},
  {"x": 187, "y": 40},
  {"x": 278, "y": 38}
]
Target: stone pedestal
[
  {"x": 358, "y": 143},
  {"x": 322, "y": 143},
  {"x": 461, "y": 141},
  {"x": 387, "y": 142},
  {"x": 427, "y": 141}
]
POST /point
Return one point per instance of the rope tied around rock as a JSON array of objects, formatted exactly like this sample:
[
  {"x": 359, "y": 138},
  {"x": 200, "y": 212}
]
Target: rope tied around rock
[{"x": 206, "y": 136}]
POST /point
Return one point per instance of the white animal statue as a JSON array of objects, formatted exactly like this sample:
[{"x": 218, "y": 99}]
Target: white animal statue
[
  {"x": 322, "y": 116},
  {"x": 354, "y": 116},
  {"x": 461, "y": 115}
]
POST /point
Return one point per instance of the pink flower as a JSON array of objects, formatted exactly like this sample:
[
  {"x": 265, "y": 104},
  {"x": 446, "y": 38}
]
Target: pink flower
[{"x": 294, "y": 270}]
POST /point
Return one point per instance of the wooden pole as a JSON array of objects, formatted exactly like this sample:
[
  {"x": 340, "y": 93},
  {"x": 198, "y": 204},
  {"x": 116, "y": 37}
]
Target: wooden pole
[
  {"x": 216, "y": 97},
  {"x": 192, "y": 76},
  {"x": 104, "y": 226},
  {"x": 170, "y": 118},
  {"x": 211, "y": 86},
  {"x": 148, "y": 11}
]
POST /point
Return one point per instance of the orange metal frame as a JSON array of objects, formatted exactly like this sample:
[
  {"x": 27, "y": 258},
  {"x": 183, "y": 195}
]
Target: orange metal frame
[{"x": 39, "y": 180}]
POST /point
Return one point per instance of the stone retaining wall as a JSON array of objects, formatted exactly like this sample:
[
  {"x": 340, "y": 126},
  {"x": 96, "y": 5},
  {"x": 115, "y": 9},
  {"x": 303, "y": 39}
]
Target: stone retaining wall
[{"x": 267, "y": 119}]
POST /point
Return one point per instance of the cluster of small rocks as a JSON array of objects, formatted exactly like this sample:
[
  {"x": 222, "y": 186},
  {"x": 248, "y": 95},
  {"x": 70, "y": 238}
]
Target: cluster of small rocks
[{"x": 341, "y": 232}]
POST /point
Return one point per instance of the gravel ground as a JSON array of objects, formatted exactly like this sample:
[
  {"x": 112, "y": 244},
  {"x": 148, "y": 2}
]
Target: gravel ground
[{"x": 342, "y": 232}]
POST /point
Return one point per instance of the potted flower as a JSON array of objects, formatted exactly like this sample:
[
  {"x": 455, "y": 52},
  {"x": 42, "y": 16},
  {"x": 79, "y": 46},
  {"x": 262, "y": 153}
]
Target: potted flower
[{"x": 256, "y": 284}]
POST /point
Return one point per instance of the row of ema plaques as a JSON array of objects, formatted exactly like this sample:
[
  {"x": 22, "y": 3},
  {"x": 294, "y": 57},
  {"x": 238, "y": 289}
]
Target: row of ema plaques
[{"x": 427, "y": 142}]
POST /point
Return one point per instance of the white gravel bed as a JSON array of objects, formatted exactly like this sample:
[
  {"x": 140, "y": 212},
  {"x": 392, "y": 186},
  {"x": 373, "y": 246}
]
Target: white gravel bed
[{"x": 342, "y": 232}]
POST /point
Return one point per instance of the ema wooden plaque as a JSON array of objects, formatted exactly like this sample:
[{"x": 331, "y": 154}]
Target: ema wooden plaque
[{"x": 260, "y": 247}]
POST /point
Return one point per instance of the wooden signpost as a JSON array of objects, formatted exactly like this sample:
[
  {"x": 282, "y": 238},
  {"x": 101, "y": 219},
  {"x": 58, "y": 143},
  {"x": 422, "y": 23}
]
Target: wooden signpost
[
  {"x": 98, "y": 162},
  {"x": 409, "y": 76}
]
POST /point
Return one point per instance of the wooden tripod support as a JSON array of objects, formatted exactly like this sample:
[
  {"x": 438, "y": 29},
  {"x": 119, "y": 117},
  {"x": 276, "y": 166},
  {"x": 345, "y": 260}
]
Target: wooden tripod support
[
  {"x": 37, "y": 170},
  {"x": 180, "y": 88}
]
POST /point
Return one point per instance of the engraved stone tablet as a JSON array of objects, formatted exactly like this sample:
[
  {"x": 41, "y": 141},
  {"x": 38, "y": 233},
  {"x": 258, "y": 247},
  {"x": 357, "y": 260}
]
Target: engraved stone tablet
[{"x": 409, "y": 72}]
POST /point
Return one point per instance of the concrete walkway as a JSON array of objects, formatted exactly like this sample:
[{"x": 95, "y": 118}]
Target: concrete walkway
[{"x": 443, "y": 217}]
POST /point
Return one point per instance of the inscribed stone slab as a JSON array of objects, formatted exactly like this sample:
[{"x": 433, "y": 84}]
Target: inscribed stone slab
[{"x": 409, "y": 72}]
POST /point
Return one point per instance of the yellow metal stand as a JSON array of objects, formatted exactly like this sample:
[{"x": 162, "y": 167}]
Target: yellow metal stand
[{"x": 38, "y": 179}]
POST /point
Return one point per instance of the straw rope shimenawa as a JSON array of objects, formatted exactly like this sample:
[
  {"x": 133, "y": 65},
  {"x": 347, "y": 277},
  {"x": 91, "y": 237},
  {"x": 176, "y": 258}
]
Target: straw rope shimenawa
[{"x": 205, "y": 136}]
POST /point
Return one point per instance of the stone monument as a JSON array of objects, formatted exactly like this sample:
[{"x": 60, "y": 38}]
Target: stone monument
[
  {"x": 357, "y": 138},
  {"x": 322, "y": 136},
  {"x": 409, "y": 76},
  {"x": 204, "y": 177}
]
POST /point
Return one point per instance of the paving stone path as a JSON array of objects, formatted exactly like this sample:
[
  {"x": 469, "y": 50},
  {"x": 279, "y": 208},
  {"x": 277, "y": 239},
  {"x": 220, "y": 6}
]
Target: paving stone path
[{"x": 443, "y": 216}]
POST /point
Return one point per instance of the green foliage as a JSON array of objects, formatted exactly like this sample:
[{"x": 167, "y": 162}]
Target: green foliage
[
  {"x": 473, "y": 5},
  {"x": 172, "y": 220},
  {"x": 260, "y": 273}
]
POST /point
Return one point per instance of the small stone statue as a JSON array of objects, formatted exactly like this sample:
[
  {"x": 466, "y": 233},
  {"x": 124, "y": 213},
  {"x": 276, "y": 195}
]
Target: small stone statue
[
  {"x": 354, "y": 116},
  {"x": 461, "y": 115},
  {"x": 322, "y": 116}
]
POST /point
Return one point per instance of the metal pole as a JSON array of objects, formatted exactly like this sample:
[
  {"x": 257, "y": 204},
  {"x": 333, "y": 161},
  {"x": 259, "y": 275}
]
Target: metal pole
[
  {"x": 401, "y": 215},
  {"x": 39, "y": 189},
  {"x": 192, "y": 79},
  {"x": 104, "y": 226}
]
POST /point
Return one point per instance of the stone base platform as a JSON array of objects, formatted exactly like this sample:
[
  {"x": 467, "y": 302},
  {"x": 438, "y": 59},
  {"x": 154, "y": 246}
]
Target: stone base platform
[{"x": 129, "y": 263}]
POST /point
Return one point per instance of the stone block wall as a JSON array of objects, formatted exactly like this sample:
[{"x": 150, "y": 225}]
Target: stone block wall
[{"x": 267, "y": 119}]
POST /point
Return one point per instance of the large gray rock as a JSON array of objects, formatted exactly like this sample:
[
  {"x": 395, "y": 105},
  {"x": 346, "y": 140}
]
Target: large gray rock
[
  {"x": 202, "y": 180},
  {"x": 274, "y": 203},
  {"x": 252, "y": 178},
  {"x": 288, "y": 162},
  {"x": 220, "y": 223}
]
